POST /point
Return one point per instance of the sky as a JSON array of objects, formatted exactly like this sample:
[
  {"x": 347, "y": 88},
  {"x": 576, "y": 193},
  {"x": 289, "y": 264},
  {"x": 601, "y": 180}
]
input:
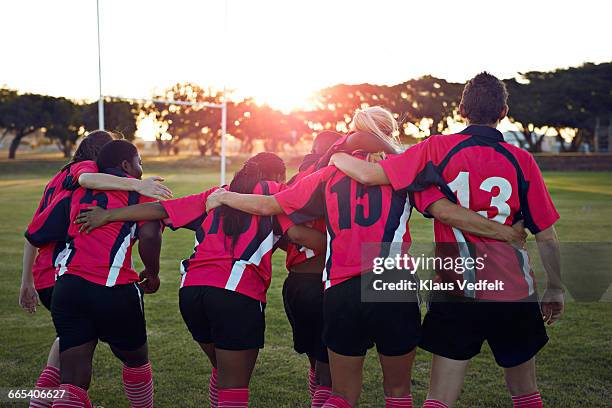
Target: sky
[{"x": 282, "y": 51}]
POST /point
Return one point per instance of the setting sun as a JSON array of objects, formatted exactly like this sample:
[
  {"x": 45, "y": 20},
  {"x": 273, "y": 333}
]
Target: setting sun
[{"x": 286, "y": 98}]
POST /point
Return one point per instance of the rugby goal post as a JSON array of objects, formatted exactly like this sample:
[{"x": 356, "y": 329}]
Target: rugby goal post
[{"x": 222, "y": 106}]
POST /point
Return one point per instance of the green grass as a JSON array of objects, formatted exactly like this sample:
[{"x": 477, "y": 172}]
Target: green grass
[{"x": 573, "y": 370}]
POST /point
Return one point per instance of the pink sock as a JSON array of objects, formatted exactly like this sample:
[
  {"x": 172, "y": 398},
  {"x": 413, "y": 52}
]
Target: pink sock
[
  {"x": 312, "y": 382},
  {"x": 336, "y": 401},
  {"x": 533, "y": 400},
  {"x": 320, "y": 396},
  {"x": 49, "y": 378},
  {"x": 213, "y": 391},
  {"x": 432, "y": 403},
  {"x": 233, "y": 397},
  {"x": 138, "y": 385},
  {"x": 398, "y": 402},
  {"x": 72, "y": 397}
]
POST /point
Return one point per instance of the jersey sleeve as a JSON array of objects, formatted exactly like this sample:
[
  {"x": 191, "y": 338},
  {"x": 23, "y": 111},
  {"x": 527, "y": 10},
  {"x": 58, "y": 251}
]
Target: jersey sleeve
[
  {"x": 305, "y": 200},
  {"x": 182, "y": 212},
  {"x": 71, "y": 182},
  {"x": 423, "y": 199},
  {"x": 414, "y": 169},
  {"x": 539, "y": 210}
]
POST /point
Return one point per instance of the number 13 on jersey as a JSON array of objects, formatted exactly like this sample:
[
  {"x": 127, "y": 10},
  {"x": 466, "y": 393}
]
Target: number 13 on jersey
[{"x": 461, "y": 187}]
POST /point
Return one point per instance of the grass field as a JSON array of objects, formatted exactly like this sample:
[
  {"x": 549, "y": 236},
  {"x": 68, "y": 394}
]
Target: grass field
[{"x": 574, "y": 370}]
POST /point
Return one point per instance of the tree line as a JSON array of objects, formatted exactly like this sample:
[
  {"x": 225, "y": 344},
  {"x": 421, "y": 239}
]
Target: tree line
[{"x": 540, "y": 102}]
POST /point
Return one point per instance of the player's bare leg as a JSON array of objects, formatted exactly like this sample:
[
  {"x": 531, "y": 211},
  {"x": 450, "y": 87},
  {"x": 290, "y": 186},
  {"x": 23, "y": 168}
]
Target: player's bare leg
[
  {"x": 132, "y": 358},
  {"x": 235, "y": 367},
  {"x": 397, "y": 373},
  {"x": 76, "y": 363},
  {"x": 347, "y": 376},
  {"x": 53, "y": 359},
  {"x": 446, "y": 379},
  {"x": 323, "y": 374},
  {"x": 209, "y": 350},
  {"x": 213, "y": 386},
  {"x": 521, "y": 379}
]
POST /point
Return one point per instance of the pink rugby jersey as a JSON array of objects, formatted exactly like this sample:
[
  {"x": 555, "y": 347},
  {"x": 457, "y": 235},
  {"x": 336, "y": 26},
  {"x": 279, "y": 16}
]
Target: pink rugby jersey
[
  {"x": 355, "y": 215},
  {"x": 51, "y": 214},
  {"x": 498, "y": 180},
  {"x": 297, "y": 254},
  {"x": 247, "y": 267},
  {"x": 103, "y": 256}
]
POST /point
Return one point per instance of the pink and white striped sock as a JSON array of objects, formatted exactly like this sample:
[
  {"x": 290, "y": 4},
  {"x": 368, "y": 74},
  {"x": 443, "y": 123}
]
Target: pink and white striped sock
[
  {"x": 533, "y": 400},
  {"x": 432, "y": 403},
  {"x": 72, "y": 397},
  {"x": 213, "y": 391},
  {"x": 398, "y": 402},
  {"x": 336, "y": 401},
  {"x": 233, "y": 397},
  {"x": 138, "y": 385},
  {"x": 49, "y": 378},
  {"x": 312, "y": 382},
  {"x": 321, "y": 395}
]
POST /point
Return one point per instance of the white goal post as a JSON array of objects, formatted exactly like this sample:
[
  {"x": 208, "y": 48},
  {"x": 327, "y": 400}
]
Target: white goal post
[{"x": 222, "y": 106}]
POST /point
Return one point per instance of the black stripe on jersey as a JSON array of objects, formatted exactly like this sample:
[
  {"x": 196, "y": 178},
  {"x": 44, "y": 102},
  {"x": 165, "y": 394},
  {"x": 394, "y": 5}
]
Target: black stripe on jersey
[
  {"x": 59, "y": 247},
  {"x": 524, "y": 212},
  {"x": 264, "y": 228},
  {"x": 55, "y": 227},
  {"x": 396, "y": 209},
  {"x": 314, "y": 208},
  {"x": 48, "y": 193},
  {"x": 126, "y": 228},
  {"x": 70, "y": 245},
  {"x": 330, "y": 240},
  {"x": 431, "y": 175}
]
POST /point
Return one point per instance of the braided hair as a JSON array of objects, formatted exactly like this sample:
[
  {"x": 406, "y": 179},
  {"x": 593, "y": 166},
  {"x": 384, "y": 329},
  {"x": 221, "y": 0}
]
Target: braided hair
[
  {"x": 261, "y": 167},
  {"x": 90, "y": 146}
]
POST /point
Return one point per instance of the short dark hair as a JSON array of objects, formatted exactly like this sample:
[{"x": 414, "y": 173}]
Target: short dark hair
[
  {"x": 114, "y": 153},
  {"x": 484, "y": 98}
]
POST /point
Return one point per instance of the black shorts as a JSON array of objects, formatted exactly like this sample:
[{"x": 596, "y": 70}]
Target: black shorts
[
  {"x": 45, "y": 296},
  {"x": 455, "y": 328},
  {"x": 352, "y": 326},
  {"x": 84, "y": 311},
  {"x": 228, "y": 319},
  {"x": 303, "y": 300}
]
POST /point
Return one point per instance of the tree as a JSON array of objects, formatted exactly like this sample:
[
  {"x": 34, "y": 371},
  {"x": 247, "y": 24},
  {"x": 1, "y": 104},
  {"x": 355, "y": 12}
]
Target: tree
[
  {"x": 119, "y": 116},
  {"x": 22, "y": 115},
  {"x": 564, "y": 98},
  {"x": 198, "y": 123},
  {"x": 63, "y": 123}
]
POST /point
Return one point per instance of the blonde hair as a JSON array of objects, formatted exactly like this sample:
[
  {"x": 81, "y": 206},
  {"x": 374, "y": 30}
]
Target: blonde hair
[{"x": 378, "y": 121}]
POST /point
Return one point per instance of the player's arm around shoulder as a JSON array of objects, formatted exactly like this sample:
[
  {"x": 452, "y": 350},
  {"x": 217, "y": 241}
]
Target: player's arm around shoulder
[
  {"x": 150, "y": 187},
  {"x": 255, "y": 204}
]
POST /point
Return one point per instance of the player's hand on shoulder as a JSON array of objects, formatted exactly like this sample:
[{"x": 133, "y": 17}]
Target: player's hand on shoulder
[
  {"x": 214, "y": 200},
  {"x": 517, "y": 235},
  {"x": 552, "y": 304},
  {"x": 91, "y": 219},
  {"x": 28, "y": 298},
  {"x": 153, "y": 187},
  {"x": 149, "y": 282},
  {"x": 376, "y": 157}
]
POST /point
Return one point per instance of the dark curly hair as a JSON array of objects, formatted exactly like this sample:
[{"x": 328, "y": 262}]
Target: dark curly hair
[
  {"x": 484, "y": 98},
  {"x": 263, "y": 166},
  {"x": 91, "y": 145}
]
